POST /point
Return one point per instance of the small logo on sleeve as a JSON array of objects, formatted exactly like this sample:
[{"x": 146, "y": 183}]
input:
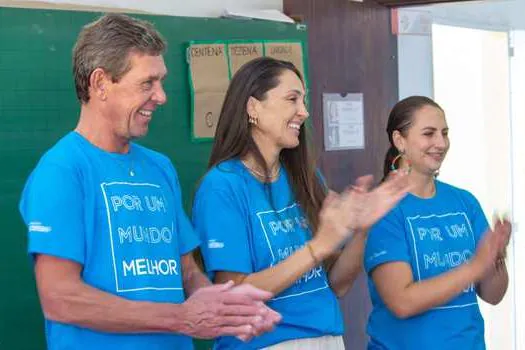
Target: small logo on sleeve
[
  {"x": 214, "y": 244},
  {"x": 377, "y": 255},
  {"x": 36, "y": 226}
]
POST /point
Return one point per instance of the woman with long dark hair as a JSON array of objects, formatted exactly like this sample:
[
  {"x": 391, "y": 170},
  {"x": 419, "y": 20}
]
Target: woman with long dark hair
[
  {"x": 266, "y": 217},
  {"x": 431, "y": 256}
]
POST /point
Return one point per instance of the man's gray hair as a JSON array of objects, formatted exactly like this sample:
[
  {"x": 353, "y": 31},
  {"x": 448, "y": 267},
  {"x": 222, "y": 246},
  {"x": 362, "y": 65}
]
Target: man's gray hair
[{"x": 107, "y": 43}]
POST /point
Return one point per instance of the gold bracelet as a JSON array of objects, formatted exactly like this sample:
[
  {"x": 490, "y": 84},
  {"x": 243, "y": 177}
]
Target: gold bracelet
[{"x": 311, "y": 250}]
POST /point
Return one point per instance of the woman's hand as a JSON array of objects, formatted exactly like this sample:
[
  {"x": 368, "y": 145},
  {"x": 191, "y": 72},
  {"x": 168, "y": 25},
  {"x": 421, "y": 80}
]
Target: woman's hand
[
  {"x": 356, "y": 209},
  {"x": 504, "y": 227},
  {"x": 367, "y": 207},
  {"x": 492, "y": 246}
]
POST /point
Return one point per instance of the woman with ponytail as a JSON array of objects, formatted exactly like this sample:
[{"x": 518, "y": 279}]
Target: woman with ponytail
[{"x": 431, "y": 256}]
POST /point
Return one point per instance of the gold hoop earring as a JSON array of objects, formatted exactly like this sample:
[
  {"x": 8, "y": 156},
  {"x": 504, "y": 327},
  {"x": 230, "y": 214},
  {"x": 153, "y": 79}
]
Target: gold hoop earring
[{"x": 398, "y": 157}]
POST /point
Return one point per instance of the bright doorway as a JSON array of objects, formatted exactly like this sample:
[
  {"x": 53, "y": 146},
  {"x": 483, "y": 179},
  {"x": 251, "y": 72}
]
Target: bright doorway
[{"x": 472, "y": 83}]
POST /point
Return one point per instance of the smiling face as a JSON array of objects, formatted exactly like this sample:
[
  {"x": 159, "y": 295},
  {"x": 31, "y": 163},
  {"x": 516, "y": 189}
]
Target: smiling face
[
  {"x": 130, "y": 102},
  {"x": 281, "y": 114},
  {"x": 426, "y": 141}
]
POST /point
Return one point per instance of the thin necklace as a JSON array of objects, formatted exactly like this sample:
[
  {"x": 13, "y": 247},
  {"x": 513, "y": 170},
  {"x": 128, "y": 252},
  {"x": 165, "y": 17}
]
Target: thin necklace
[
  {"x": 261, "y": 175},
  {"x": 131, "y": 162},
  {"x": 127, "y": 167},
  {"x": 131, "y": 170},
  {"x": 130, "y": 166}
]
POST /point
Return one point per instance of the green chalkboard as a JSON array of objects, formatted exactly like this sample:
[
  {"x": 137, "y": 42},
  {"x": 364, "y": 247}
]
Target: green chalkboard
[{"x": 38, "y": 105}]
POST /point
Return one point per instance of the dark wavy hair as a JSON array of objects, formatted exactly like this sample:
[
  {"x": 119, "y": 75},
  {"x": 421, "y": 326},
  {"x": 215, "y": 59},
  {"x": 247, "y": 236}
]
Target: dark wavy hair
[
  {"x": 233, "y": 138},
  {"x": 400, "y": 119}
]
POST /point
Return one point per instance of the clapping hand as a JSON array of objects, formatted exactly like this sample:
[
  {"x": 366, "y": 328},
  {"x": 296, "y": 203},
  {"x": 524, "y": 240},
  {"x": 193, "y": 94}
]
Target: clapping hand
[
  {"x": 503, "y": 228},
  {"x": 492, "y": 246},
  {"x": 367, "y": 207},
  {"x": 356, "y": 208},
  {"x": 225, "y": 309}
]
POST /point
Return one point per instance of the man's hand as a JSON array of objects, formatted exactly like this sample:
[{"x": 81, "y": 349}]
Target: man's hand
[
  {"x": 222, "y": 309},
  {"x": 269, "y": 317}
]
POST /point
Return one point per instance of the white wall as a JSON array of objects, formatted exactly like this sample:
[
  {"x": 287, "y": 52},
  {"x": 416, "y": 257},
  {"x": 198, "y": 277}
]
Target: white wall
[
  {"x": 415, "y": 51},
  {"x": 414, "y": 54},
  {"x": 195, "y": 8},
  {"x": 494, "y": 13},
  {"x": 474, "y": 90},
  {"x": 518, "y": 143}
]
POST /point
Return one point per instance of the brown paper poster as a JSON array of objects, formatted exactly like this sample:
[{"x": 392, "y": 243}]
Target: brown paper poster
[
  {"x": 286, "y": 51},
  {"x": 207, "y": 106},
  {"x": 210, "y": 78},
  {"x": 213, "y": 64},
  {"x": 242, "y": 53}
]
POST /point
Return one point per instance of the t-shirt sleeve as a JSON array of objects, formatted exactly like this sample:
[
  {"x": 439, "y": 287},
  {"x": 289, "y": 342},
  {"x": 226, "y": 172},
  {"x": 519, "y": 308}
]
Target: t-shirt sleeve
[
  {"x": 477, "y": 217},
  {"x": 386, "y": 242},
  {"x": 52, "y": 209},
  {"x": 223, "y": 228},
  {"x": 187, "y": 237}
]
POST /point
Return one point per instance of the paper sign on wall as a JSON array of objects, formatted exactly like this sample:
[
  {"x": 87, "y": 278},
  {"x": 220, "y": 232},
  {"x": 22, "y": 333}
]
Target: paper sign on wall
[
  {"x": 212, "y": 65},
  {"x": 343, "y": 119},
  {"x": 242, "y": 53},
  {"x": 292, "y": 52},
  {"x": 210, "y": 78}
]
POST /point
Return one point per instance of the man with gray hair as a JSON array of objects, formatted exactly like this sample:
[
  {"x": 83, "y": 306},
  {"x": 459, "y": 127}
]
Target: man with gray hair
[{"x": 109, "y": 237}]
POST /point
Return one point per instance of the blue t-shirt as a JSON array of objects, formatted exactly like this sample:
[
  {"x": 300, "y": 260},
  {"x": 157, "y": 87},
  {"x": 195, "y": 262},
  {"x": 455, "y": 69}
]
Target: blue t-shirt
[
  {"x": 243, "y": 231},
  {"x": 121, "y": 218},
  {"x": 433, "y": 236}
]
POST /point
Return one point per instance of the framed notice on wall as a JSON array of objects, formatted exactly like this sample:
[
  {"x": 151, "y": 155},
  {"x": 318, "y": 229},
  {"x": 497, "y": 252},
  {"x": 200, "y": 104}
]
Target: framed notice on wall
[
  {"x": 212, "y": 65},
  {"x": 343, "y": 120}
]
